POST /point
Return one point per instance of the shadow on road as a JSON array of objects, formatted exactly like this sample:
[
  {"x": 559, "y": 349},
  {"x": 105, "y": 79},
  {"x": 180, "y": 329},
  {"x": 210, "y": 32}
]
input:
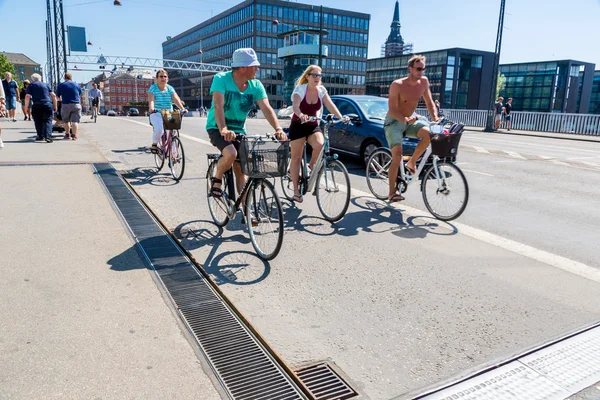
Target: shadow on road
[
  {"x": 148, "y": 176},
  {"x": 373, "y": 217},
  {"x": 233, "y": 267}
]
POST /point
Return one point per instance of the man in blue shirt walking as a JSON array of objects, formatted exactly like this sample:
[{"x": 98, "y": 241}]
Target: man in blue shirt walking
[
  {"x": 69, "y": 93},
  {"x": 11, "y": 91}
]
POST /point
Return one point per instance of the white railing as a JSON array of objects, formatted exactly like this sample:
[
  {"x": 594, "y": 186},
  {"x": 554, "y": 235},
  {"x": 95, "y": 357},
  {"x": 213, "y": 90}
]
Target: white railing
[{"x": 583, "y": 124}]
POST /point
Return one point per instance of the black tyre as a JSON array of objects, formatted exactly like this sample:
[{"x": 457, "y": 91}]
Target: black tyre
[
  {"x": 264, "y": 219},
  {"x": 377, "y": 172},
  {"x": 333, "y": 191},
  {"x": 176, "y": 158},
  {"x": 445, "y": 191},
  {"x": 217, "y": 205}
]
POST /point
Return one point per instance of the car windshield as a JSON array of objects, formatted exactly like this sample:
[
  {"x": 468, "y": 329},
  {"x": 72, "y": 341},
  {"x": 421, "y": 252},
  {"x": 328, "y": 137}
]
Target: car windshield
[{"x": 375, "y": 108}]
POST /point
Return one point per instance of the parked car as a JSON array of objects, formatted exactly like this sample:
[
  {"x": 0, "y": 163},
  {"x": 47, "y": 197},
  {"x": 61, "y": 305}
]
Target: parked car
[
  {"x": 111, "y": 113},
  {"x": 367, "y": 114},
  {"x": 133, "y": 112},
  {"x": 285, "y": 113}
]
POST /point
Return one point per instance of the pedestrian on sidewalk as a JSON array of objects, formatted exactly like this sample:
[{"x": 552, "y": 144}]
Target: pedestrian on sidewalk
[
  {"x": 498, "y": 111},
  {"x": 2, "y": 100},
  {"x": 11, "y": 91},
  {"x": 44, "y": 105},
  {"x": 507, "y": 110},
  {"x": 22, "y": 94},
  {"x": 69, "y": 93}
]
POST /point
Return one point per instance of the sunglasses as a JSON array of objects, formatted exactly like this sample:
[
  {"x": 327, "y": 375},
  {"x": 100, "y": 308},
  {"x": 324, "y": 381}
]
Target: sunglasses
[
  {"x": 163, "y": 76},
  {"x": 316, "y": 75},
  {"x": 419, "y": 68}
]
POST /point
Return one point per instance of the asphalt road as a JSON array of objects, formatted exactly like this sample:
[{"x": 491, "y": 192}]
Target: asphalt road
[{"x": 393, "y": 298}]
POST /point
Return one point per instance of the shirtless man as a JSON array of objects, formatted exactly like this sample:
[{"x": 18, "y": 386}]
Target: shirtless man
[{"x": 404, "y": 96}]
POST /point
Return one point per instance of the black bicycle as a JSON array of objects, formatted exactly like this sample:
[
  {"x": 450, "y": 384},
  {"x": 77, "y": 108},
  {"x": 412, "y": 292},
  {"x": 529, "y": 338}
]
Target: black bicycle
[{"x": 261, "y": 158}]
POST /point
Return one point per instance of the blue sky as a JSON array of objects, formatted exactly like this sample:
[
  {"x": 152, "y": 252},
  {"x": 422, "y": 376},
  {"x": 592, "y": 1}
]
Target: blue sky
[{"x": 535, "y": 30}]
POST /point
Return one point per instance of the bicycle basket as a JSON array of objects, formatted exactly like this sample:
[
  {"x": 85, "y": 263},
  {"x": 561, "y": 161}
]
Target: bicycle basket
[
  {"x": 171, "y": 119},
  {"x": 264, "y": 159},
  {"x": 446, "y": 144}
]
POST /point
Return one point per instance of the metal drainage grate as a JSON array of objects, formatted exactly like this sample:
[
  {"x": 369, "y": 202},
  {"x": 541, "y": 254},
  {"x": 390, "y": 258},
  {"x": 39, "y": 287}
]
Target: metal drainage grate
[
  {"x": 553, "y": 372},
  {"x": 324, "y": 383},
  {"x": 243, "y": 365}
]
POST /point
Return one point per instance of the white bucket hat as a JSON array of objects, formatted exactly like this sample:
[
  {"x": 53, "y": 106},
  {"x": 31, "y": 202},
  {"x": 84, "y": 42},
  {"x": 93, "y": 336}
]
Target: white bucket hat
[{"x": 244, "y": 58}]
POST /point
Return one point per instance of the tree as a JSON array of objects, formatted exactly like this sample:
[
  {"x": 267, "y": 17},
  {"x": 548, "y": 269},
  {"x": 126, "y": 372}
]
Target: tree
[
  {"x": 500, "y": 84},
  {"x": 5, "y": 65}
]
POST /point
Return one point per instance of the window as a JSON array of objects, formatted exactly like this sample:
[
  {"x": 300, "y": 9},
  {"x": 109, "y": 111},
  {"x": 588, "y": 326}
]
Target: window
[{"x": 345, "y": 107}]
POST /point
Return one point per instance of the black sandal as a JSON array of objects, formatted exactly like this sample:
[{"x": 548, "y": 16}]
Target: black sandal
[{"x": 216, "y": 191}]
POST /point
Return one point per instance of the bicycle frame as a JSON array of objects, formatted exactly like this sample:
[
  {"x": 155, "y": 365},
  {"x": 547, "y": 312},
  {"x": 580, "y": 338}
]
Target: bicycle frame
[
  {"x": 322, "y": 159},
  {"x": 165, "y": 141}
]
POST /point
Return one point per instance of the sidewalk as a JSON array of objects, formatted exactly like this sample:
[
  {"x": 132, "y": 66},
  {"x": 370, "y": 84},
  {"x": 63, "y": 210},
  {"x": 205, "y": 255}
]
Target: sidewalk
[
  {"x": 81, "y": 316},
  {"x": 552, "y": 135}
]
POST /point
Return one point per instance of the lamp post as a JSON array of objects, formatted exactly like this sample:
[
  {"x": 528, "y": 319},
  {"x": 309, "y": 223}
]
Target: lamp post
[
  {"x": 201, "y": 77},
  {"x": 489, "y": 126}
]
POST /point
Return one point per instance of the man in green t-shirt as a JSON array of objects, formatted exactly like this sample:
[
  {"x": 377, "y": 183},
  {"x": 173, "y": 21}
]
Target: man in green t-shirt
[{"x": 234, "y": 94}]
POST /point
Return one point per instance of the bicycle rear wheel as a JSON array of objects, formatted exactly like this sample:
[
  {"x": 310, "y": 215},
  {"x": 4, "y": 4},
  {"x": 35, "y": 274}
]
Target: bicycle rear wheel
[
  {"x": 445, "y": 191},
  {"x": 377, "y": 173},
  {"x": 333, "y": 190},
  {"x": 287, "y": 186},
  {"x": 176, "y": 158},
  {"x": 264, "y": 219},
  {"x": 217, "y": 205},
  {"x": 159, "y": 158}
]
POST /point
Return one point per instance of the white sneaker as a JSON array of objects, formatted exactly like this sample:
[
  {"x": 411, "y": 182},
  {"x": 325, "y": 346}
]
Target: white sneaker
[{"x": 1, "y": 144}]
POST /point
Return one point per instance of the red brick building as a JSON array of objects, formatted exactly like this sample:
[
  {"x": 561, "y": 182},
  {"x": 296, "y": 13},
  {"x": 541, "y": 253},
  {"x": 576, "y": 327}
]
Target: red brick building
[{"x": 120, "y": 89}]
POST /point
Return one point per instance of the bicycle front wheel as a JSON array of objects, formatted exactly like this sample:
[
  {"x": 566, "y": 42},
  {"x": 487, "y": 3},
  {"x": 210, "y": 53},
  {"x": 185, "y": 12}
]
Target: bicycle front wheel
[
  {"x": 445, "y": 191},
  {"x": 176, "y": 158},
  {"x": 377, "y": 173},
  {"x": 264, "y": 219},
  {"x": 333, "y": 190},
  {"x": 217, "y": 205}
]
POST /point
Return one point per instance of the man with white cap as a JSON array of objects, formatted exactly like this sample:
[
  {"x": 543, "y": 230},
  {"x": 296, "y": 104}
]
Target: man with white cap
[{"x": 234, "y": 94}]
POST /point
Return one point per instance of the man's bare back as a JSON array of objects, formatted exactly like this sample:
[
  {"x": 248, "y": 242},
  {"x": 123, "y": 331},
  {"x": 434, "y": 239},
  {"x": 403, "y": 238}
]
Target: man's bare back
[{"x": 409, "y": 94}]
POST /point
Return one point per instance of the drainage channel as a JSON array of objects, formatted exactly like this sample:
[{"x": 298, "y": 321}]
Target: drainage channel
[
  {"x": 241, "y": 360},
  {"x": 553, "y": 371}
]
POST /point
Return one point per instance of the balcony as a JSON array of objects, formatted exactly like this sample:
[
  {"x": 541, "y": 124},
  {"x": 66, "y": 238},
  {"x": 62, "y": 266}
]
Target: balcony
[{"x": 302, "y": 50}]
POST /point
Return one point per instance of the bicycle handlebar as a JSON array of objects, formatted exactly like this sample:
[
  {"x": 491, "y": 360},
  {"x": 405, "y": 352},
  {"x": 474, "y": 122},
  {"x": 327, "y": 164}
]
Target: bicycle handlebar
[{"x": 329, "y": 120}]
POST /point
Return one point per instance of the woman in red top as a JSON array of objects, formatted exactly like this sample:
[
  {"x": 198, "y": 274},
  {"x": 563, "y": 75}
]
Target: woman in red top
[{"x": 308, "y": 99}]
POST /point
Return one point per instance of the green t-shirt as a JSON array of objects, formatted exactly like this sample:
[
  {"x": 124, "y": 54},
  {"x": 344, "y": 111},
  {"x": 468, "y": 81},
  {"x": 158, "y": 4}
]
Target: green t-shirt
[{"x": 237, "y": 104}]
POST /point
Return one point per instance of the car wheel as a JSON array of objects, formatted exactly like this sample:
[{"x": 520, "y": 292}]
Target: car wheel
[{"x": 368, "y": 149}]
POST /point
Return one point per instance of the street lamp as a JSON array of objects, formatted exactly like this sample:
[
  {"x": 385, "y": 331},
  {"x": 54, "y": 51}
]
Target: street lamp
[
  {"x": 489, "y": 126},
  {"x": 201, "y": 75}
]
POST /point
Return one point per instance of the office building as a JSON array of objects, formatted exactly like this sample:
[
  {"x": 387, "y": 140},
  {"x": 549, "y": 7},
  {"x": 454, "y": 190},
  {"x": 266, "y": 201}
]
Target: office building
[
  {"x": 549, "y": 86},
  {"x": 261, "y": 24},
  {"x": 459, "y": 78},
  {"x": 595, "y": 97},
  {"x": 24, "y": 66}
]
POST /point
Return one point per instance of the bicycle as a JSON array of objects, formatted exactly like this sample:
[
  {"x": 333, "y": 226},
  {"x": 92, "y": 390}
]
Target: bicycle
[
  {"x": 437, "y": 185},
  {"x": 94, "y": 110},
  {"x": 329, "y": 178},
  {"x": 170, "y": 145},
  {"x": 261, "y": 158}
]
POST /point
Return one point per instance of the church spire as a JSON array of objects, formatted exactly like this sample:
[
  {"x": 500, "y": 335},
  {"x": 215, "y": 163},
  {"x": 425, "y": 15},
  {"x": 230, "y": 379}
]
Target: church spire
[{"x": 394, "y": 44}]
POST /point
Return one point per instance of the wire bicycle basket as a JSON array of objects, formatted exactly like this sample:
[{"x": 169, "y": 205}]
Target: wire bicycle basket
[{"x": 264, "y": 158}]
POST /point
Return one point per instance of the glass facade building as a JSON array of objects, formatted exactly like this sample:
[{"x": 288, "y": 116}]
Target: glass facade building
[
  {"x": 459, "y": 78},
  {"x": 595, "y": 97},
  {"x": 549, "y": 86},
  {"x": 251, "y": 24}
]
